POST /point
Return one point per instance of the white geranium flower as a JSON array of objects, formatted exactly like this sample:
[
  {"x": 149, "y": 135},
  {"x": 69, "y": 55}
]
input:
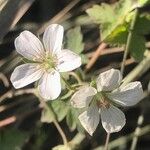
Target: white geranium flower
[
  {"x": 48, "y": 59},
  {"x": 99, "y": 101}
]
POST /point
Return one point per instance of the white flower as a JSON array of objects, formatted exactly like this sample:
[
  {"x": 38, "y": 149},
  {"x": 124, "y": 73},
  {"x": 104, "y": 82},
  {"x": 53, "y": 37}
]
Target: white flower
[
  {"x": 47, "y": 60},
  {"x": 99, "y": 101}
]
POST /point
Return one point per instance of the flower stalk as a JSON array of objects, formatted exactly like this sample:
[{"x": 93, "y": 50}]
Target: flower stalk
[
  {"x": 68, "y": 86},
  {"x": 107, "y": 141},
  {"x": 60, "y": 130}
]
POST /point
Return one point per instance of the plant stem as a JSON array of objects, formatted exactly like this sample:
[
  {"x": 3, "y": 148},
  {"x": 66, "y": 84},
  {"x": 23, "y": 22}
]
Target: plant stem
[
  {"x": 68, "y": 86},
  {"x": 137, "y": 132},
  {"x": 76, "y": 77},
  {"x": 125, "y": 139},
  {"x": 107, "y": 141},
  {"x": 76, "y": 141},
  {"x": 129, "y": 39},
  {"x": 140, "y": 69},
  {"x": 61, "y": 132}
]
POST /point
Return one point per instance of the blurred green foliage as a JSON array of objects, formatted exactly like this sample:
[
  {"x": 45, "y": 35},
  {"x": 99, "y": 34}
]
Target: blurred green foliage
[
  {"x": 115, "y": 21},
  {"x": 12, "y": 139}
]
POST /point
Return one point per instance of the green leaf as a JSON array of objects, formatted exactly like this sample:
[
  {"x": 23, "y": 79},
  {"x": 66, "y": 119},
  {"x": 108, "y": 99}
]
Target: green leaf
[
  {"x": 71, "y": 118},
  {"x": 137, "y": 47},
  {"x": 66, "y": 76},
  {"x": 115, "y": 21},
  {"x": 60, "y": 108},
  {"x": 73, "y": 121},
  {"x": 84, "y": 59},
  {"x": 143, "y": 24},
  {"x": 83, "y": 20},
  {"x": 40, "y": 136},
  {"x": 47, "y": 116},
  {"x": 103, "y": 13},
  {"x": 143, "y": 2},
  {"x": 117, "y": 36},
  {"x": 74, "y": 40},
  {"x": 119, "y": 26},
  {"x": 62, "y": 147},
  {"x": 112, "y": 20},
  {"x": 12, "y": 139}
]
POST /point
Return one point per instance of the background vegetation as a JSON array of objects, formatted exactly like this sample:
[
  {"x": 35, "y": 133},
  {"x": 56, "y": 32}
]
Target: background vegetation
[{"x": 106, "y": 34}]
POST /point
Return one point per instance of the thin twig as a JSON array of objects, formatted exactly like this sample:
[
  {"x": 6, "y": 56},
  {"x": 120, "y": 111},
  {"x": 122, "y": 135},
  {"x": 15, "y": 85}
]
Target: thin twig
[
  {"x": 2, "y": 4},
  {"x": 97, "y": 53},
  {"x": 7, "y": 121},
  {"x": 5, "y": 107},
  {"x": 58, "y": 17},
  {"x": 107, "y": 51},
  {"x": 11, "y": 14},
  {"x": 129, "y": 39},
  {"x": 4, "y": 80},
  {"x": 112, "y": 50},
  {"x": 7, "y": 59},
  {"x": 21, "y": 11},
  {"x": 128, "y": 62},
  {"x": 11, "y": 93},
  {"x": 14, "y": 118}
]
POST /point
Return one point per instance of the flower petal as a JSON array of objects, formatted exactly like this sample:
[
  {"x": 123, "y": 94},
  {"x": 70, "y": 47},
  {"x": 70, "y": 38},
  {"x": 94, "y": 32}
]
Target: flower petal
[
  {"x": 29, "y": 46},
  {"x": 83, "y": 97},
  {"x": 25, "y": 74},
  {"x": 128, "y": 95},
  {"x": 53, "y": 37},
  {"x": 90, "y": 119},
  {"x": 68, "y": 61},
  {"x": 109, "y": 80},
  {"x": 49, "y": 85},
  {"x": 113, "y": 119}
]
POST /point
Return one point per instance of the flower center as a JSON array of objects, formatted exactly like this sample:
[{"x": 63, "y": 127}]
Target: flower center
[
  {"x": 49, "y": 62},
  {"x": 102, "y": 101}
]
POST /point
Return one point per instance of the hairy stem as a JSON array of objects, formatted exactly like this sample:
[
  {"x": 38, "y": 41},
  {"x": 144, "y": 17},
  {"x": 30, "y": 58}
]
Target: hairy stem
[
  {"x": 137, "y": 132},
  {"x": 138, "y": 71},
  {"x": 76, "y": 77},
  {"x": 107, "y": 141},
  {"x": 61, "y": 132},
  {"x": 125, "y": 139},
  {"x": 130, "y": 35},
  {"x": 68, "y": 86}
]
